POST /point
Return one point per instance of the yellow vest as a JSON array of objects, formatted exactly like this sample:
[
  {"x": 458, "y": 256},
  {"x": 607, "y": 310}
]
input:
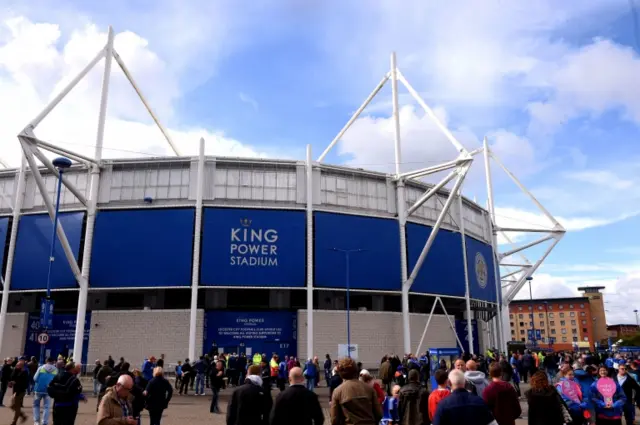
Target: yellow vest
[{"x": 257, "y": 358}]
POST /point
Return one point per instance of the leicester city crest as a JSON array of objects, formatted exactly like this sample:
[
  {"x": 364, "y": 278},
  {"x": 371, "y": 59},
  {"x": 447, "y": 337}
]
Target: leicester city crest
[{"x": 481, "y": 270}]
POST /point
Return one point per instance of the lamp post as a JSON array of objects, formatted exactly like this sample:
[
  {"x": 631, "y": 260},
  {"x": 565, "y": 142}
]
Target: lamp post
[
  {"x": 347, "y": 255},
  {"x": 533, "y": 323},
  {"x": 546, "y": 315},
  {"x": 636, "y": 312},
  {"x": 46, "y": 316}
]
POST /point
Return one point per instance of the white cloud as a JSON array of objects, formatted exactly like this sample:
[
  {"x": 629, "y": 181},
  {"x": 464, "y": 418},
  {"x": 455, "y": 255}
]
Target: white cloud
[
  {"x": 248, "y": 99},
  {"x": 547, "y": 286},
  {"x": 34, "y": 66}
]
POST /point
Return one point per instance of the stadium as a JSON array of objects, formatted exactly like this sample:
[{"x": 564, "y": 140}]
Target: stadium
[{"x": 182, "y": 255}]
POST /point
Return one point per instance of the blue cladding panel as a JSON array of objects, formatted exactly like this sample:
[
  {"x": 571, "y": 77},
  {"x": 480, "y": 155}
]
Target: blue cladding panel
[
  {"x": 247, "y": 247},
  {"x": 481, "y": 270},
  {"x": 142, "y": 248},
  {"x": 262, "y": 332},
  {"x": 32, "y": 252},
  {"x": 377, "y": 267},
  {"x": 4, "y": 237},
  {"x": 442, "y": 272}
]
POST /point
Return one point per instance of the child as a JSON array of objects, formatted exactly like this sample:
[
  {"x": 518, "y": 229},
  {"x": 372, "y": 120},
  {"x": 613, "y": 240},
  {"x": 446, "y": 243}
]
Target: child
[
  {"x": 440, "y": 393},
  {"x": 178, "y": 375},
  {"x": 390, "y": 408}
]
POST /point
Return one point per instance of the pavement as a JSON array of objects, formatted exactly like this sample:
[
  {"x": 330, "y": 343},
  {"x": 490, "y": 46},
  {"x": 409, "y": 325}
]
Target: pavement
[{"x": 182, "y": 410}]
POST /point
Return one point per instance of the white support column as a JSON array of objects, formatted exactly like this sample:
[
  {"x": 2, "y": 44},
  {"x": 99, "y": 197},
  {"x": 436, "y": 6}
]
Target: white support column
[
  {"x": 78, "y": 340},
  {"x": 310, "y": 328},
  {"x": 426, "y": 326},
  {"x": 195, "y": 273},
  {"x": 17, "y": 206},
  {"x": 47, "y": 163},
  {"x": 494, "y": 240},
  {"x": 453, "y": 328},
  {"x": 401, "y": 207},
  {"x": 467, "y": 294}
]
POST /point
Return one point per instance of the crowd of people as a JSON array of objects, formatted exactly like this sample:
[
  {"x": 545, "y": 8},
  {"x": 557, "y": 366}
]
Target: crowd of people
[{"x": 565, "y": 388}]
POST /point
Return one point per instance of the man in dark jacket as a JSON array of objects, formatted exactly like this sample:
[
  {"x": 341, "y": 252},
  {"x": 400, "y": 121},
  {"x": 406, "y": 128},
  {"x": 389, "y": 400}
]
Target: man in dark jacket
[
  {"x": 501, "y": 398},
  {"x": 461, "y": 407},
  {"x": 19, "y": 382},
  {"x": 629, "y": 385},
  {"x": 66, "y": 391},
  {"x": 386, "y": 374},
  {"x": 297, "y": 405},
  {"x": 5, "y": 377},
  {"x": 187, "y": 373},
  {"x": 507, "y": 370},
  {"x": 250, "y": 404},
  {"x": 528, "y": 366},
  {"x": 413, "y": 402}
]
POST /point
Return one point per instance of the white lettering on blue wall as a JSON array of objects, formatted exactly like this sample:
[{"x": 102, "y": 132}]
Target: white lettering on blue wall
[{"x": 253, "y": 247}]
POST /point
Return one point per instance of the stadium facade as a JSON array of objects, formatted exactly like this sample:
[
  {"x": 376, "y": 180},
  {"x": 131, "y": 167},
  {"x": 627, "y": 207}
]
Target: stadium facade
[{"x": 180, "y": 255}]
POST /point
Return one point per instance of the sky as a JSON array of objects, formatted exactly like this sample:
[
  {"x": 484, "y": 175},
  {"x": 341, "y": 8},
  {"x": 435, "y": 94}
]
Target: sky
[{"x": 553, "y": 85}]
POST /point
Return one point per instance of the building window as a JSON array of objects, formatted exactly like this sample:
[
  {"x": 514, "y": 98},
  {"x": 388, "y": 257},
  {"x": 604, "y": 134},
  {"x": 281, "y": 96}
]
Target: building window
[
  {"x": 561, "y": 307},
  {"x": 564, "y": 331},
  {"x": 541, "y": 324},
  {"x": 584, "y": 322},
  {"x": 519, "y": 308},
  {"x": 520, "y": 316},
  {"x": 512, "y": 332},
  {"x": 582, "y": 313},
  {"x": 562, "y": 323},
  {"x": 575, "y": 339},
  {"x": 581, "y": 305},
  {"x": 552, "y": 323},
  {"x": 510, "y": 316},
  {"x": 553, "y": 331},
  {"x": 572, "y": 314},
  {"x": 521, "y": 324},
  {"x": 541, "y": 315},
  {"x": 542, "y": 331},
  {"x": 573, "y": 323},
  {"x": 530, "y": 308},
  {"x": 521, "y": 330},
  {"x": 539, "y": 307},
  {"x": 511, "y": 324},
  {"x": 574, "y": 331},
  {"x": 523, "y": 340},
  {"x": 586, "y": 338},
  {"x": 561, "y": 315},
  {"x": 584, "y": 330},
  {"x": 570, "y": 306},
  {"x": 564, "y": 339},
  {"x": 551, "y": 315},
  {"x": 531, "y": 324},
  {"x": 550, "y": 307}
]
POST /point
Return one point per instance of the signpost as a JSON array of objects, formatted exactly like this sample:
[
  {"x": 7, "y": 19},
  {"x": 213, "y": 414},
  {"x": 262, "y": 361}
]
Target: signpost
[{"x": 43, "y": 338}]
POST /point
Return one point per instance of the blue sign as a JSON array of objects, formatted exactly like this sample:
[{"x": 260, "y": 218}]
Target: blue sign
[
  {"x": 46, "y": 313},
  {"x": 31, "y": 263},
  {"x": 538, "y": 335},
  {"x": 463, "y": 335},
  {"x": 4, "y": 234},
  {"x": 252, "y": 332},
  {"x": 480, "y": 265},
  {"x": 61, "y": 336},
  {"x": 376, "y": 266},
  {"x": 442, "y": 273},
  {"x": 449, "y": 355},
  {"x": 143, "y": 248},
  {"x": 247, "y": 247},
  {"x": 552, "y": 340}
]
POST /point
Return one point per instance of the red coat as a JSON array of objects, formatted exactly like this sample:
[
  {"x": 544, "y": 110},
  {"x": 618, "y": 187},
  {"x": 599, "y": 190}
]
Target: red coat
[
  {"x": 503, "y": 402},
  {"x": 379, "y": 391}
]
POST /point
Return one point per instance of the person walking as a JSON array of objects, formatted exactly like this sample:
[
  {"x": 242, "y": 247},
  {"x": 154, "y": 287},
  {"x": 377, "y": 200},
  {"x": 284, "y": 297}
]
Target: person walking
[
  {"x": 439, "y": 393},
  {"x": 545, "y": 405},
  {"x": 66, "y": 391},
  {"x": 19, "y": 382},
  {"x": 115, "y": 407},
  {"x": 477, "y": 378},
  {"x": 96, "y": 382},
  {"x": 250, "y": 404},
  {"x": 42, "y": 378},
  {"x": 608, "y": 406},
  {"x": 354, "y": 402},
  {"x": 462, "y": 407},
  {"x": 187, "y": 371},
  {"x": 413, "y": 401},
  {"x": 629, "y": 386},
  {"x": 501, "y": 398},
  {"x": 32, "y": 368},
  {"x": 327, "y": 369},
  {"x": 570, "y": 391},
  {"x": 199, "y": 369},
  {"x": 386, "y": 374},
  {"x": 158, "y": 395},
  {"x": 297, "y": 405},
  {"x": 5, "y": 377},
  {"x": 217, "y": 376},
  {"x": 310, "y": 373}
]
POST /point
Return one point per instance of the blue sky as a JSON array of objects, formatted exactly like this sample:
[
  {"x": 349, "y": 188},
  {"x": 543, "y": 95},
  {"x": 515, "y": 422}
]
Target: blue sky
[{"x": 553, "y": 85}]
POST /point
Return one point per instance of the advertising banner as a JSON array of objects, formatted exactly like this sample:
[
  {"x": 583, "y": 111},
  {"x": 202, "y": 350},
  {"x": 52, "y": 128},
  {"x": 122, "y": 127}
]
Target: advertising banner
[
  {"x": 265, "y": 332},
  {"x": 31, "y": 263},
  {"x": 61, "y": 336},
  {"x": 374, "y": 258},
  {"x": 143, "y": 248},
  {"x": 482, "y": 282},
  {"x": 462, "y": 332},
  {"x": 251, "y": 247}
]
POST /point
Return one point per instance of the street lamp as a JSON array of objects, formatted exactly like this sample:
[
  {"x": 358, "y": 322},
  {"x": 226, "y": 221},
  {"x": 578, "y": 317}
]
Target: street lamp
[
  {"x": 347, "y": 254},
  {"x": 533, "y": 323},
  {"x": 46, "y": 316},
  {"x": 546, "y": 315}
]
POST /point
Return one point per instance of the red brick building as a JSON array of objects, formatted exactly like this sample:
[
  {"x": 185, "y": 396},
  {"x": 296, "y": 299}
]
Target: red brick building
[{"x": 620, "y": 331}]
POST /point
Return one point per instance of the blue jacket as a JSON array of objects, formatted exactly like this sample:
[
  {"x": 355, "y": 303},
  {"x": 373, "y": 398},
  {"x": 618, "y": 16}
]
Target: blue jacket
[
  {"x": 619, "y": 399},
  {"x": 310, "y": 370},
  {"x": 390, "y": 411},
  {"x": 462, "y": 407},
  {"x": 179, "y": 370},
  {"x": 572, "y": 405},
  {"x": 585, "y": 380},
  {"x": 199, "y": 367},
  {"x": 609, "y": 362},
  {"x": 147, "y": 370},
  {"x": 282, "y": 370},
  {"x": 43, "y": 378}
]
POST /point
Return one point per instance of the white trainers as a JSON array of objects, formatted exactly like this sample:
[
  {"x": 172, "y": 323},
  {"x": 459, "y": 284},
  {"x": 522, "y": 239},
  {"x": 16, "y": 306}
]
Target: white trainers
[{"x": 36, "y": 423}]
